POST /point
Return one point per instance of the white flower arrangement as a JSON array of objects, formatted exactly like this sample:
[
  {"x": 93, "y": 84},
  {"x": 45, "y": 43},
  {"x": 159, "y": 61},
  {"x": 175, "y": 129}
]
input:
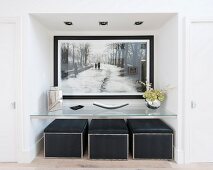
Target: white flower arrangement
[{"x": 153, "y": 94}]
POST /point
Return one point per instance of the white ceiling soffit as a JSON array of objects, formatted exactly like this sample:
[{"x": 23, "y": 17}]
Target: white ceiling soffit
[{"x": 90, "y": 22}]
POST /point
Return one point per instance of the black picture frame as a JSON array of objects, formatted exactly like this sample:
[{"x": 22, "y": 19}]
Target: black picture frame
[{"x": 151, "y": 70}]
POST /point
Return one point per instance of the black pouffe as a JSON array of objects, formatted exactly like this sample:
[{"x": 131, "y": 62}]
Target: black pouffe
[
  {"x": 150, "y": 138},
  {"x": 65, "y": 138},
  {"x": 108, "y": 139}
]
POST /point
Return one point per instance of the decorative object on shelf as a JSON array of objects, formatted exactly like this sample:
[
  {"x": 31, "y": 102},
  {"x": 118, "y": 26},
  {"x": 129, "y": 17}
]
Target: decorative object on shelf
[
  {"x": 76, "y": 107},
  {"x": 55, "y": 101},
  {"x": 153, "y": 97},
  {"x": 153, "y": 104},
  {"x": 109, "y": 106}
]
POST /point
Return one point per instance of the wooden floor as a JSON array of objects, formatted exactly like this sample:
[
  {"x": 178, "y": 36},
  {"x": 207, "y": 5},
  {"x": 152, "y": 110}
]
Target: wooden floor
[{"x": 40, "y": 163}]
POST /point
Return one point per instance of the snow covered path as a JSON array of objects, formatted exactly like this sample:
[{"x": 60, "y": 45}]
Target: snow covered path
[{"x": 105, "y": 80}]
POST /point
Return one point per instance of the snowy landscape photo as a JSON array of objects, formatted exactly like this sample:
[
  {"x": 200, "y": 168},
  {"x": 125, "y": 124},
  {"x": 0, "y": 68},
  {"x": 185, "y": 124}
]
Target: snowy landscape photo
[{"x": 103, "y": 67}]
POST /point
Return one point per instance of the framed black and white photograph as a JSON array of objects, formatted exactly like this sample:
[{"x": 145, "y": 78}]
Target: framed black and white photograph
[{"x": 103, "y": 66}]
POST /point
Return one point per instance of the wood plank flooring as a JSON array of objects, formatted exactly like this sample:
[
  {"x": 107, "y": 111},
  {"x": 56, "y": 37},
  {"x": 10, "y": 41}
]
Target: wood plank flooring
[{"x": 40, "y": 163}]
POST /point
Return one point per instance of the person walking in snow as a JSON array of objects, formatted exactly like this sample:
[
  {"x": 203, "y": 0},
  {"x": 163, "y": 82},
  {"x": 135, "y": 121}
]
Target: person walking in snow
[
  {"x": 75, "y": 69},
  {"x": 99, "y": 65}
]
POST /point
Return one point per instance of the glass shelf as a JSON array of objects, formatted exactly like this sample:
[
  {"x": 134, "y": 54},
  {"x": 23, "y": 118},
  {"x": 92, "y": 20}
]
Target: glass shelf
[{"x": 94, "y": 112}]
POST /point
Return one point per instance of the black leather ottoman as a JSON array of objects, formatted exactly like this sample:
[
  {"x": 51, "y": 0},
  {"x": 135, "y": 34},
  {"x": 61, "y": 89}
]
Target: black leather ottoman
[
  {"x": 65, "y": 138},
  {"x": 150, "y": 138},
  {"x": 108, "y": 139}
]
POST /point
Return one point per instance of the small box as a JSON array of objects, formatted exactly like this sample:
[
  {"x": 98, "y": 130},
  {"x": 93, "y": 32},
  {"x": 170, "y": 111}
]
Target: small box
[
  {"x": 150, "y": 139},
  {"x": 108, "y": 139},
  {"x": 66, "y": 138}
]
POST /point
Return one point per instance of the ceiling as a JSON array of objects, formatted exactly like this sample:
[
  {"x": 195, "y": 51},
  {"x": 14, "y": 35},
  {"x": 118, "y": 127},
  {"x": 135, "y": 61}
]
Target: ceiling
[{"x": 90, "y": 21}]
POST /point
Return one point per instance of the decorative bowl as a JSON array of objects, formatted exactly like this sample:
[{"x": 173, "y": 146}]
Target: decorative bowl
[{"x": 153, "y": 104}]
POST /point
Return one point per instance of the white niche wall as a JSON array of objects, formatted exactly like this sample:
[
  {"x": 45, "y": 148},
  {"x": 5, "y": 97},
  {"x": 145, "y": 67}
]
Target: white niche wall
[
  {"x": 168, "y": 72},
  {"x": 167, "y": 66}
]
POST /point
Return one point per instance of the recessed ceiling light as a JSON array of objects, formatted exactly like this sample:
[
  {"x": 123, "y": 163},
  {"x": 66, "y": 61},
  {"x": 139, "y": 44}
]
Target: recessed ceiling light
[
  {"x": 103, "y": 23},
  {"x": 68, "y": 23},
  {"x": 138, "y": 22}
]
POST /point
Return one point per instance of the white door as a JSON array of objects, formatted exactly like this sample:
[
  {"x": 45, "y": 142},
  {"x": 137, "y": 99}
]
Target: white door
[
  {"x": 200, "y": 117},
  {"x": 7, "y": 94}
]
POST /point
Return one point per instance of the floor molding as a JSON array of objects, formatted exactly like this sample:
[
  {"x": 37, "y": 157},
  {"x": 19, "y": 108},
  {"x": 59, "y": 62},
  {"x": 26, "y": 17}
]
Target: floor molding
[
  {"x": 29, "y": 156},
  {"x": 179, "y": 156}
]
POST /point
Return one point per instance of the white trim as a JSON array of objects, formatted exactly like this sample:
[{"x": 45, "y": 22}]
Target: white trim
[
  {"x": 178, "y": 156},
  {"x": 19, "y": 102},
  {"x": 178, "y": 144},
  {"x": 29, "y": 155},
  {"x": 199, "y": 20},
  {"x": 187, "y": 82},
  {"x": 186, "y": 92},
  {"x": 18, "y": 79}
]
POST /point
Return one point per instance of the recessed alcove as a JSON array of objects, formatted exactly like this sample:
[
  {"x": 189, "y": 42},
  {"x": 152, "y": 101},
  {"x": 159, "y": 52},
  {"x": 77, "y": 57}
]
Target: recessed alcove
[{"x": 163, "y": 26}]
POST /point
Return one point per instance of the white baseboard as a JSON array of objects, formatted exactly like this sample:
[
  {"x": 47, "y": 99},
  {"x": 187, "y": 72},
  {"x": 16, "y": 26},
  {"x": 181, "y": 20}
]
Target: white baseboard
[
  {"x": 179, "y": 156},
  {"x": 28, "y": 156}
]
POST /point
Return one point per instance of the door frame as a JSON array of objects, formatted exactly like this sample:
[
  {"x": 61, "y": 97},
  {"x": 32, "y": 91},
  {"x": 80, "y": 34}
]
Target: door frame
[
  {"x": 187, "y": 83},
  {"x": 18, "y": 83}
]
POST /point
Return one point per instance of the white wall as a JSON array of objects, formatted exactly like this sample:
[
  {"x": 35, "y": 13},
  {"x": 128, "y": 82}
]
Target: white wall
[
  {"x": 197, "y": 7},
  {"x": 36, "y": 82},
  {"x": 37, "y": 70},
  {"x": 167, "y": 61},
  {"x": 167, "y": 64}
]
